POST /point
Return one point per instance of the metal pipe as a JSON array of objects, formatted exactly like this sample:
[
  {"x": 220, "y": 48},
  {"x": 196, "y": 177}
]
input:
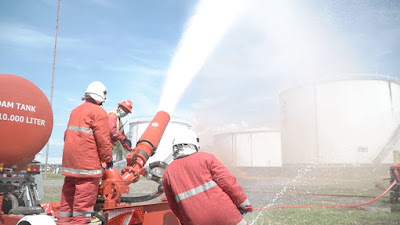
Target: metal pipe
[
  {"x": 145, "y": 147},
  {"x": 114, "y": 184}
]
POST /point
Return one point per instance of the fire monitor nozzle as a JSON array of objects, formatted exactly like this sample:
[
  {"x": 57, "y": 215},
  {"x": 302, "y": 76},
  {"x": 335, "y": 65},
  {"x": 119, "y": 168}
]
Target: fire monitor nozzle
[{"x": 113, "y": 183}]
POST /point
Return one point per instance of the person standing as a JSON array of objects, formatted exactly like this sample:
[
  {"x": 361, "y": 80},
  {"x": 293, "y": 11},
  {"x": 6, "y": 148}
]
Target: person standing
[
  {"x": 200, "y": 189},
  {"x": 86, "y": 145},
  {"x": 116, "y": 126}
]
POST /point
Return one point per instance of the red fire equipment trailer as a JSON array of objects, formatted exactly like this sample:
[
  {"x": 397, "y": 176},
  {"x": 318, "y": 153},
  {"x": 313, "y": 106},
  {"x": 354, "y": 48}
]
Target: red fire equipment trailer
[{"x": 26, "y": 122}]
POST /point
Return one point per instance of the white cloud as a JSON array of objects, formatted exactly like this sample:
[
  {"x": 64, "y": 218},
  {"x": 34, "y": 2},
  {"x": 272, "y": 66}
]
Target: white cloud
[
  {"x": 105, "y": 3},
  {"x": 72, "y": 100},
  {"x": 147, "y": 106},
  {"x": 22, "y": 35},
  {"x": 50, "y": 160},
  {"x": 132, "y": 68},
  {"x": 56, "y": 142},
  {"x": 50, "y": 2}
]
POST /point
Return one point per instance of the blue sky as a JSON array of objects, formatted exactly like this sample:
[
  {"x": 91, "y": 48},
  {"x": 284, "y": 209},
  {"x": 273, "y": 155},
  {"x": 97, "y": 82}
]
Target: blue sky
[{"x": 129, "y": 44}]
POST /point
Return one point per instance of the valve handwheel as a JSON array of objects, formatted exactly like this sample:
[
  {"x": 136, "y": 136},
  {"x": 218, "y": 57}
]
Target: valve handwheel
[{"x": 111, "y": 191}]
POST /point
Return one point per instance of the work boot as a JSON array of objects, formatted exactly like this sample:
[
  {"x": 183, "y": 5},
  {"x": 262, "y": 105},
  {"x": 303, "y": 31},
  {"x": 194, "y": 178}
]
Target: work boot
[{"x": 94, "y": 220}]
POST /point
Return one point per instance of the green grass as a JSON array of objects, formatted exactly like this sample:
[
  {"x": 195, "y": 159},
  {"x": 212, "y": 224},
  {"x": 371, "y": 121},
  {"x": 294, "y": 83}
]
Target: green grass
[
  {"x": 51, "y": 198},
  {"x": 327, "y": 216},
  {"x": 51, "y": 176},
  {"x": 309, "y": 216},
  {"x": 334, "y": 216},
  {"x": 52, "y": 193},
  {"x": 369, "y": 192}
]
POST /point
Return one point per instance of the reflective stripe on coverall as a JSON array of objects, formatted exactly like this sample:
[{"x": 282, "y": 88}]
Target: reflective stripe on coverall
[
  {"x": 116, "y": 130},
  {"x": 78, "y": 192},
  {"x": 116, "y": 127},
  {"x": 87, "y": 141},
  {"x": 201, "y": 190},
  {"x": 87, "y": 144},
  {"x": 82, "y": 171}
]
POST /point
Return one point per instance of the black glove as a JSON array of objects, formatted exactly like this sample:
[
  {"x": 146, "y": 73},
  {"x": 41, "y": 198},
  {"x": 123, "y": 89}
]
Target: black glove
[
  {"x": 128, "y": 142},
  {"x": 245, "y": 210},
  {"x": 109, "y": 165}
]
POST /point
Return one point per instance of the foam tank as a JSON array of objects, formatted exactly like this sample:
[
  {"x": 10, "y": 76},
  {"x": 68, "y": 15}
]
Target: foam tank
[
  {"x": 26, "y": 120},
  {"x": 350, "y": 121}
]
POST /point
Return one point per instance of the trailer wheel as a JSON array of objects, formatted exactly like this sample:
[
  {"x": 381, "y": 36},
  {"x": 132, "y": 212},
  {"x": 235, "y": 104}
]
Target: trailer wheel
[
  {"x": 36, "y": 220},
  {"x": 24, "y": 223}
]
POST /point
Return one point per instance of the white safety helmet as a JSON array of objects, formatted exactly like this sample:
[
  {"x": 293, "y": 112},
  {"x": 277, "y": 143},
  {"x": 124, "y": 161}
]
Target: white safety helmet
[
  {"x": 97, "y": 91},
  {"x": 185, "y": 144}
]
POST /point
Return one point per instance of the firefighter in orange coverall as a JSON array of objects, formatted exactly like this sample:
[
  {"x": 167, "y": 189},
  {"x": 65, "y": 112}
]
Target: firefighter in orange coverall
[
  {"x": 200, "y": 189},
  {"x": 87, "y": 145},
  {"x": 116, "y": 127}
]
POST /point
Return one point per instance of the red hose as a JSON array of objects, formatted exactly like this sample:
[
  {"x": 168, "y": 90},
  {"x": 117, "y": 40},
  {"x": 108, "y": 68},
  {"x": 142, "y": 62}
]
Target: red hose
[
  {"x": 298, "y": 188},
  {"x": 316, "y": 194},
  {"x": 329, "y": 206}
]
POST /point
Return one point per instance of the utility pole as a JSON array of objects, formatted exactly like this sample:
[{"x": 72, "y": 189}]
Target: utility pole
[{"x": 52, "y": 83}]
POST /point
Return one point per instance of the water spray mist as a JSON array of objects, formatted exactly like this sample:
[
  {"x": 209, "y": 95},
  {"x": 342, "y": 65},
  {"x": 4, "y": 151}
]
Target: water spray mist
[{"x": 204, "y": 30}]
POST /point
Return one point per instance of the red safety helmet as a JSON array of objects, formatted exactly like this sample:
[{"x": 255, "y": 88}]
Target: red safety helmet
[{"x": 127, "y": 104}]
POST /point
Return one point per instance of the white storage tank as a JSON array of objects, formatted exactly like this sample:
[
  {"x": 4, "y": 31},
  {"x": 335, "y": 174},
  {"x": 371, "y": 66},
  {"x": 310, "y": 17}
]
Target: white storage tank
[
  {"x": 164, "y": 151},
  {"x": 252, "y": 148},
  {"x": 348, "y": 121}
]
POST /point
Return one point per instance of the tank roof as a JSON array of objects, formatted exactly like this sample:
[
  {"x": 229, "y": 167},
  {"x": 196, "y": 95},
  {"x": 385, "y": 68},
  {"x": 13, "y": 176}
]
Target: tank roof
[{"x": 344, "y": 77}]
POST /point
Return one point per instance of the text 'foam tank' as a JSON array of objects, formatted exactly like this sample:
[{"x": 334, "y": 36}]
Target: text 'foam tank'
[{"x": 26, "y": 120}]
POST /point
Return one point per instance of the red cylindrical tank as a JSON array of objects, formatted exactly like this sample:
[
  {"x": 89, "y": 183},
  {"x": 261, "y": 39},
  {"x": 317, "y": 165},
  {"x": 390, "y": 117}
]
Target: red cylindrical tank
[{"x": 26, "y": 120}]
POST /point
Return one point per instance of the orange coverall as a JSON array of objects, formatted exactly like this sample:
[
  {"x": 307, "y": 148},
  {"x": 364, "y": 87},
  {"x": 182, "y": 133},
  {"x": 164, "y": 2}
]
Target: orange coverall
[{"x": 87, "y": 144}]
